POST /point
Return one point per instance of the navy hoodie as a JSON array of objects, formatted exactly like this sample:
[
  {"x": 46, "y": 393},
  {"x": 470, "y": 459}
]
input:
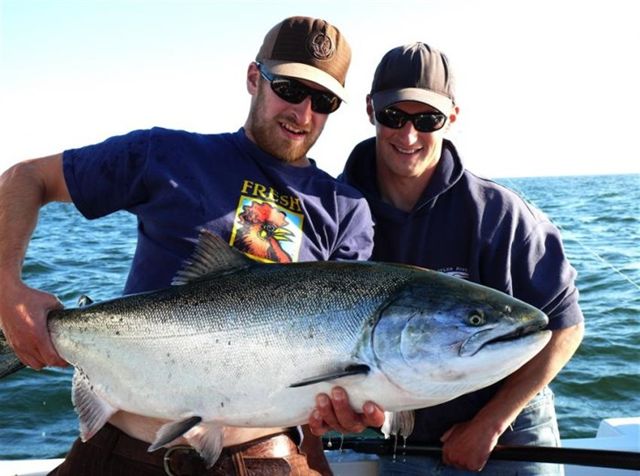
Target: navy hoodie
[{"x": 476, "y": 229}]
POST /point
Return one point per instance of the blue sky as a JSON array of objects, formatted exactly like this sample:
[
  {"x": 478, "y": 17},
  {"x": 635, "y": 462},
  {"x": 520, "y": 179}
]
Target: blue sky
[{"x": 545, "y": 87}]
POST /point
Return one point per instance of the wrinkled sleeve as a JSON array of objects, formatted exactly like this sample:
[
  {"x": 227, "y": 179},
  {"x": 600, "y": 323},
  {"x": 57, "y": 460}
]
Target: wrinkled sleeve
[
  {"x": 355, "y": 240},
  {"x": 108, "y": 176},
  {"x": 543, "y": 276}
]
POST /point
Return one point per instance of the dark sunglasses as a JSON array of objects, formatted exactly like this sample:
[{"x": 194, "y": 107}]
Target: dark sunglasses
[
  {"x": 295, "y": 92},
  {"x": 423, "y": 121}
]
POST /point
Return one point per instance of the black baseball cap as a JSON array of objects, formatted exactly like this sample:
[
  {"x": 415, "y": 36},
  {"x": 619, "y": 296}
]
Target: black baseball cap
[{"x": 414, "y": 72}]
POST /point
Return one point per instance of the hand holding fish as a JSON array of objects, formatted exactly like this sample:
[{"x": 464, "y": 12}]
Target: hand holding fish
[
  {"x": 335, "y": 414},
  {"x": 23, "y": 320}
]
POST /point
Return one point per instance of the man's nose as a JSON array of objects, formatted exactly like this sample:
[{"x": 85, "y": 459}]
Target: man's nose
[
  {"x": 409, "y": 132},
  {"x": 303, "y": 110}
]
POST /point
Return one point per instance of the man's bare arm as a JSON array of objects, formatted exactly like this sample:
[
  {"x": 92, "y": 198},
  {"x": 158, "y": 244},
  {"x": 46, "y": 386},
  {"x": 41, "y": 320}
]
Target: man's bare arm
[{"x": 24, "y": 189}]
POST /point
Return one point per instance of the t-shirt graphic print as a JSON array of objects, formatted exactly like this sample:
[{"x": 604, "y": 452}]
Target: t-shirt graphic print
[{"x": 267, "y": 231}]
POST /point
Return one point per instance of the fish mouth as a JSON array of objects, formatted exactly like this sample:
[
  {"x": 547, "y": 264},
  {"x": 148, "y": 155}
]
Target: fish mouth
[{"x": 496, "y": 335}]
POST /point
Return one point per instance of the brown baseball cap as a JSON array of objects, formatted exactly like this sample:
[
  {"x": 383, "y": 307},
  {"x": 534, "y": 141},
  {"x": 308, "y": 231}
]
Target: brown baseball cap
[
  {"x": 307, "y": 48},
  {"x": 414, "y": 72}
]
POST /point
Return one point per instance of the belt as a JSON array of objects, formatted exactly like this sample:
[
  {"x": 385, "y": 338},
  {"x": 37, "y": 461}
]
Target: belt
[{"x": 184, "y": 460}]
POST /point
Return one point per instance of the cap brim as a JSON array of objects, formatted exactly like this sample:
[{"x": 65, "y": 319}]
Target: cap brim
[
  {"x": 309, "y": 73},
  {"x": 383, "y": 99}
]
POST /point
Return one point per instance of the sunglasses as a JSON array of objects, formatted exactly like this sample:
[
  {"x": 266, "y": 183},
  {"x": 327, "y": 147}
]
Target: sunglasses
[
  {"x": 423, "y": 121},
  {"x": 295, "y": 92}
]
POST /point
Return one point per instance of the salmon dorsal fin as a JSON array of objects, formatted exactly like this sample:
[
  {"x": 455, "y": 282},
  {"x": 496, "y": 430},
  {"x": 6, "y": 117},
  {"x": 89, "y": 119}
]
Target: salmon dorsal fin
[{"x": 212, "y": 256}]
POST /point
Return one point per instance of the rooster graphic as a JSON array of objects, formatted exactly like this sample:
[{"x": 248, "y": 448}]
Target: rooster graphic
[{"x": 262, "y": 230}]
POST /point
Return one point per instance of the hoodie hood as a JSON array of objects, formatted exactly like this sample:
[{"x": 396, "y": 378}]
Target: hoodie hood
[{"x": 360, "y": 172}]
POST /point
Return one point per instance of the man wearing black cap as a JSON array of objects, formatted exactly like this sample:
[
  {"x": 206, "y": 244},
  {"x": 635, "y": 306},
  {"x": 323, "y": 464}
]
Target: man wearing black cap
[
  {"x": 256, "y": 188},
  {"x": 431, "y": 212}
]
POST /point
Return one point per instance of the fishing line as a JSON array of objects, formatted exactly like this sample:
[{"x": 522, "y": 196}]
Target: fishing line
[{"x": 582, "y": 245}]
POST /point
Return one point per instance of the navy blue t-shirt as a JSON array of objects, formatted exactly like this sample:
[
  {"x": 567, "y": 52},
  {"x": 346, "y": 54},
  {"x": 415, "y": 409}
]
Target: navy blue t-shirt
[
  {"x": 177, "y": 183},
  {"x": 478, "y": 230}
]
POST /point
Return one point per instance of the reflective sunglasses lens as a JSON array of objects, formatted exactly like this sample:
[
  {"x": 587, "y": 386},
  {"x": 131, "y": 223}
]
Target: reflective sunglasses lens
[
  {"x": 294, "y": 92},
  {"x": 391, "y": 118},
  {"x": 287, "y": 90},
  {"x": 426, "y": 122},
  {"x": 429, "y": 122},
  {"x": 325, "y": 103}
]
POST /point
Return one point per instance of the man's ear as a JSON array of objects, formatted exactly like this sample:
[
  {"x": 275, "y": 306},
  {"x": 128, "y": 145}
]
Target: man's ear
[
  {"x": 453, "y": 115},
  {"x": 370, "y": 110},
  {"x": 253, "y": 78}
]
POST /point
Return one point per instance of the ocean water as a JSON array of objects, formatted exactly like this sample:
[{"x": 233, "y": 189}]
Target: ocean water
[{"x": 600, "y": 220}]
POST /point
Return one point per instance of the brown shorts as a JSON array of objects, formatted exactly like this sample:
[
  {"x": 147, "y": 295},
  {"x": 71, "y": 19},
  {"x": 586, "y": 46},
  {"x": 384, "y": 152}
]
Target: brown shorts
[{"x": 111, "y": 452}]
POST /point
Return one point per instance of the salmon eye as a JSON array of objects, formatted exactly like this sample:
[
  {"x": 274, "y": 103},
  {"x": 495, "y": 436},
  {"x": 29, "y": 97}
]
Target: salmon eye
[{"x": 476, "y": 318}]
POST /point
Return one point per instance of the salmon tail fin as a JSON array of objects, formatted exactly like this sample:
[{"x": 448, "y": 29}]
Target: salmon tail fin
[{"x": 9, "y": 362}]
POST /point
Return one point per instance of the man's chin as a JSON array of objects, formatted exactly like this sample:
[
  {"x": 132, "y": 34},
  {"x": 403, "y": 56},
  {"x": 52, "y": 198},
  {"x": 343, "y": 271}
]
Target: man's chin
[
  {"x": 283, "y": 148},
  {"x": 287, "y": 152}
]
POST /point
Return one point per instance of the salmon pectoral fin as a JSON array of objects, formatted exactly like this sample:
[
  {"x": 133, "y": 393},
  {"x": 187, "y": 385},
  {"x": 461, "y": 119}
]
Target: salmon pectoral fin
[
  {"x": 356, "y": 369},
  {"x": 93, "y": 411}
]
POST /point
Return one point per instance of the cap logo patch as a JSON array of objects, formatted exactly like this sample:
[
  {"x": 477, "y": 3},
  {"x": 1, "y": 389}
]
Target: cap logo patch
[{"x": 320, "y": 46}]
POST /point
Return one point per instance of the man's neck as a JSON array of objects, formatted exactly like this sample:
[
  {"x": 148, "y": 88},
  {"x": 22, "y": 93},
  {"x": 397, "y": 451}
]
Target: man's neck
[
  {"x": 403, "y": 192},
  {"x": 301, "y": 162}
]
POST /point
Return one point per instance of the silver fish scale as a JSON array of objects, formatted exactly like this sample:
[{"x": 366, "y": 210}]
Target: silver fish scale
[
  {"x": 243, "y": 300},
  {"x": 216, "y": 341}
]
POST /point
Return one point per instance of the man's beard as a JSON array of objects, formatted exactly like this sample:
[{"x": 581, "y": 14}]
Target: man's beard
[{"x": 267, "y": 136}]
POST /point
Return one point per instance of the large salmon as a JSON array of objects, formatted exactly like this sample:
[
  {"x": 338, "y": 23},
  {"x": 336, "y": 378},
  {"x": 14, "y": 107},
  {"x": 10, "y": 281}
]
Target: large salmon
[{"x": 239, "y": 343}]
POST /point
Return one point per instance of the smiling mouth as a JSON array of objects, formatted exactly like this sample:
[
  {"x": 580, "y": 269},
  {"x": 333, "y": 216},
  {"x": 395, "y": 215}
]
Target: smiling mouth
[
  {"x": 407, "y": 151},
  {"x": 293, "y": 130}
]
